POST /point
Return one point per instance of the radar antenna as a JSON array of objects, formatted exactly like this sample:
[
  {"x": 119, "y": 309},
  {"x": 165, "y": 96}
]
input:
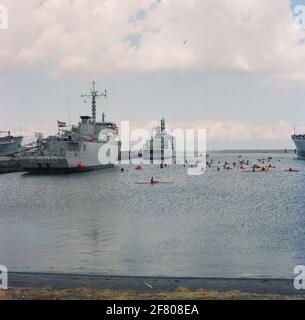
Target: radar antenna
[{"x": 93, "y": 95}]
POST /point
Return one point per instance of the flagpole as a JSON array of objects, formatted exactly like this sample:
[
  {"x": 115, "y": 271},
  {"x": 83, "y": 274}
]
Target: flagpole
[{"x": 69, "y": 111}]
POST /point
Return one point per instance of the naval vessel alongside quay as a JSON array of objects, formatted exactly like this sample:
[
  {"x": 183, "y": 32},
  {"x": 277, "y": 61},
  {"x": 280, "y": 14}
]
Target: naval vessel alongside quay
[
  {"x": 75, "y": 149},
  {"x": 9, "y": 145}
]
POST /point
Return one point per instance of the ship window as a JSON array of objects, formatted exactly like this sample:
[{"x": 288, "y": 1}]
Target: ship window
[
  {"x": 73, "y": 147},
  {"x": 85, "y": 147}
]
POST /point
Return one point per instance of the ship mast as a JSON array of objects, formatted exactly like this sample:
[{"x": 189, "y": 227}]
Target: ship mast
[
  {"x": 94, "y": 95},
  {"x": 162, "y": 124}
]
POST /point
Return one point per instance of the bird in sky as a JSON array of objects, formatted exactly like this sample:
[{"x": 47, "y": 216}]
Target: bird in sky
[{"x": 184, "y": 42}]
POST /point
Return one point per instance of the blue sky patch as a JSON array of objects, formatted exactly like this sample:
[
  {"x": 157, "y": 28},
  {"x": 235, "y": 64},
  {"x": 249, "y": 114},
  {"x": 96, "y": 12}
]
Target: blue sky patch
[
  {"x": 134, "y": 40},
  {"x": 298, "y": 11},
  {"x": 295, "y": 3}
]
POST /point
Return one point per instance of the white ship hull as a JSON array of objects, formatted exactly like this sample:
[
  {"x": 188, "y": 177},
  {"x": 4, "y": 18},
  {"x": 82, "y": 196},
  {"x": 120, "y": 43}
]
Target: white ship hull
[{"x": 299, "y": 141}]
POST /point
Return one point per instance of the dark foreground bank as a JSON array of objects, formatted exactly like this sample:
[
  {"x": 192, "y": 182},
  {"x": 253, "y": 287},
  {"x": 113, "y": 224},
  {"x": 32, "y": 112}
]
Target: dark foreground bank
[{"x": 64, "y": 286}]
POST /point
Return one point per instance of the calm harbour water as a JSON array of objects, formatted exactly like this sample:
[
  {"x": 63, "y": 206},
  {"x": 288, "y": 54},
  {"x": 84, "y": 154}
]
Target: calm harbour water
[{"x": 220, "y": 224}]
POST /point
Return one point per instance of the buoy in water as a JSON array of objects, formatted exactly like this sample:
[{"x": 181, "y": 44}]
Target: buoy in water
[{"x": 81, "y": 166}]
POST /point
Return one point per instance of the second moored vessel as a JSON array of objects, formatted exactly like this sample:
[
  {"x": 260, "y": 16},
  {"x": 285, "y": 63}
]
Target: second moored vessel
[
  {"x": 161, "y": 146},
  {"x": 9, "y": 145}
]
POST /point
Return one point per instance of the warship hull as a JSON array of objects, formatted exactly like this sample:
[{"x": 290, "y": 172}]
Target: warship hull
[
  {"x": 9, "y": 164},
  {"x": 71, "y": 162},
  {"x": 299, "y": 141},
  {"x": 40, "y": 169},
  {"x": 53, "y": 165}
]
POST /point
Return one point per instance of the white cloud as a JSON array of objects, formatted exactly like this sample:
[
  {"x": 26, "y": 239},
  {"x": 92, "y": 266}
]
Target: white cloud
[
  {"x": 232, "y": 130},
  {"x": 85, "y": 37},
  {"x": 221, "y": 131}
]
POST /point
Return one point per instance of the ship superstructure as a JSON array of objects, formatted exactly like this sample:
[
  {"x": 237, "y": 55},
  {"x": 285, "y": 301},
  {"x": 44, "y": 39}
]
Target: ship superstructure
[{"x": 161, "y": 145}]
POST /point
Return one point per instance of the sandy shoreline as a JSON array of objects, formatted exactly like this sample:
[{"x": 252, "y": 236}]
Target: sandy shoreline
[{"x": 46, "y": 285}]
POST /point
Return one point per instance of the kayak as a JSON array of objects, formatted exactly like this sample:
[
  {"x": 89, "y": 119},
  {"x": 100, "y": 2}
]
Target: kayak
[
  {"x": 260, "y": 170},
  {"x": 293, "y": 170},
  {"x": 155, "y": 182}
]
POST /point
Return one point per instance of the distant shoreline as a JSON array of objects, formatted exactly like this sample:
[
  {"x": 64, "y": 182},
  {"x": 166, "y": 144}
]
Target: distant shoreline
[
  {"x": 254, "y": 151},
  {"x": 246, "y": 151}
]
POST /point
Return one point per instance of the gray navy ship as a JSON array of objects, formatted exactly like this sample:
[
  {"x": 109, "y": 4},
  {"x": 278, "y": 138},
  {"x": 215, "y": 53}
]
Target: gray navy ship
[
  {"x": 299, "y": 141},
  {"x": 161, "y": 145},
  {"x": 9, "y": 145},
  {"x": 75, "y": 149}
]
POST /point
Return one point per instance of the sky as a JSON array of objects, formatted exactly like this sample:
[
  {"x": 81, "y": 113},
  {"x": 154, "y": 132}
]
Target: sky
[{"x": 240, "y": 74}]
